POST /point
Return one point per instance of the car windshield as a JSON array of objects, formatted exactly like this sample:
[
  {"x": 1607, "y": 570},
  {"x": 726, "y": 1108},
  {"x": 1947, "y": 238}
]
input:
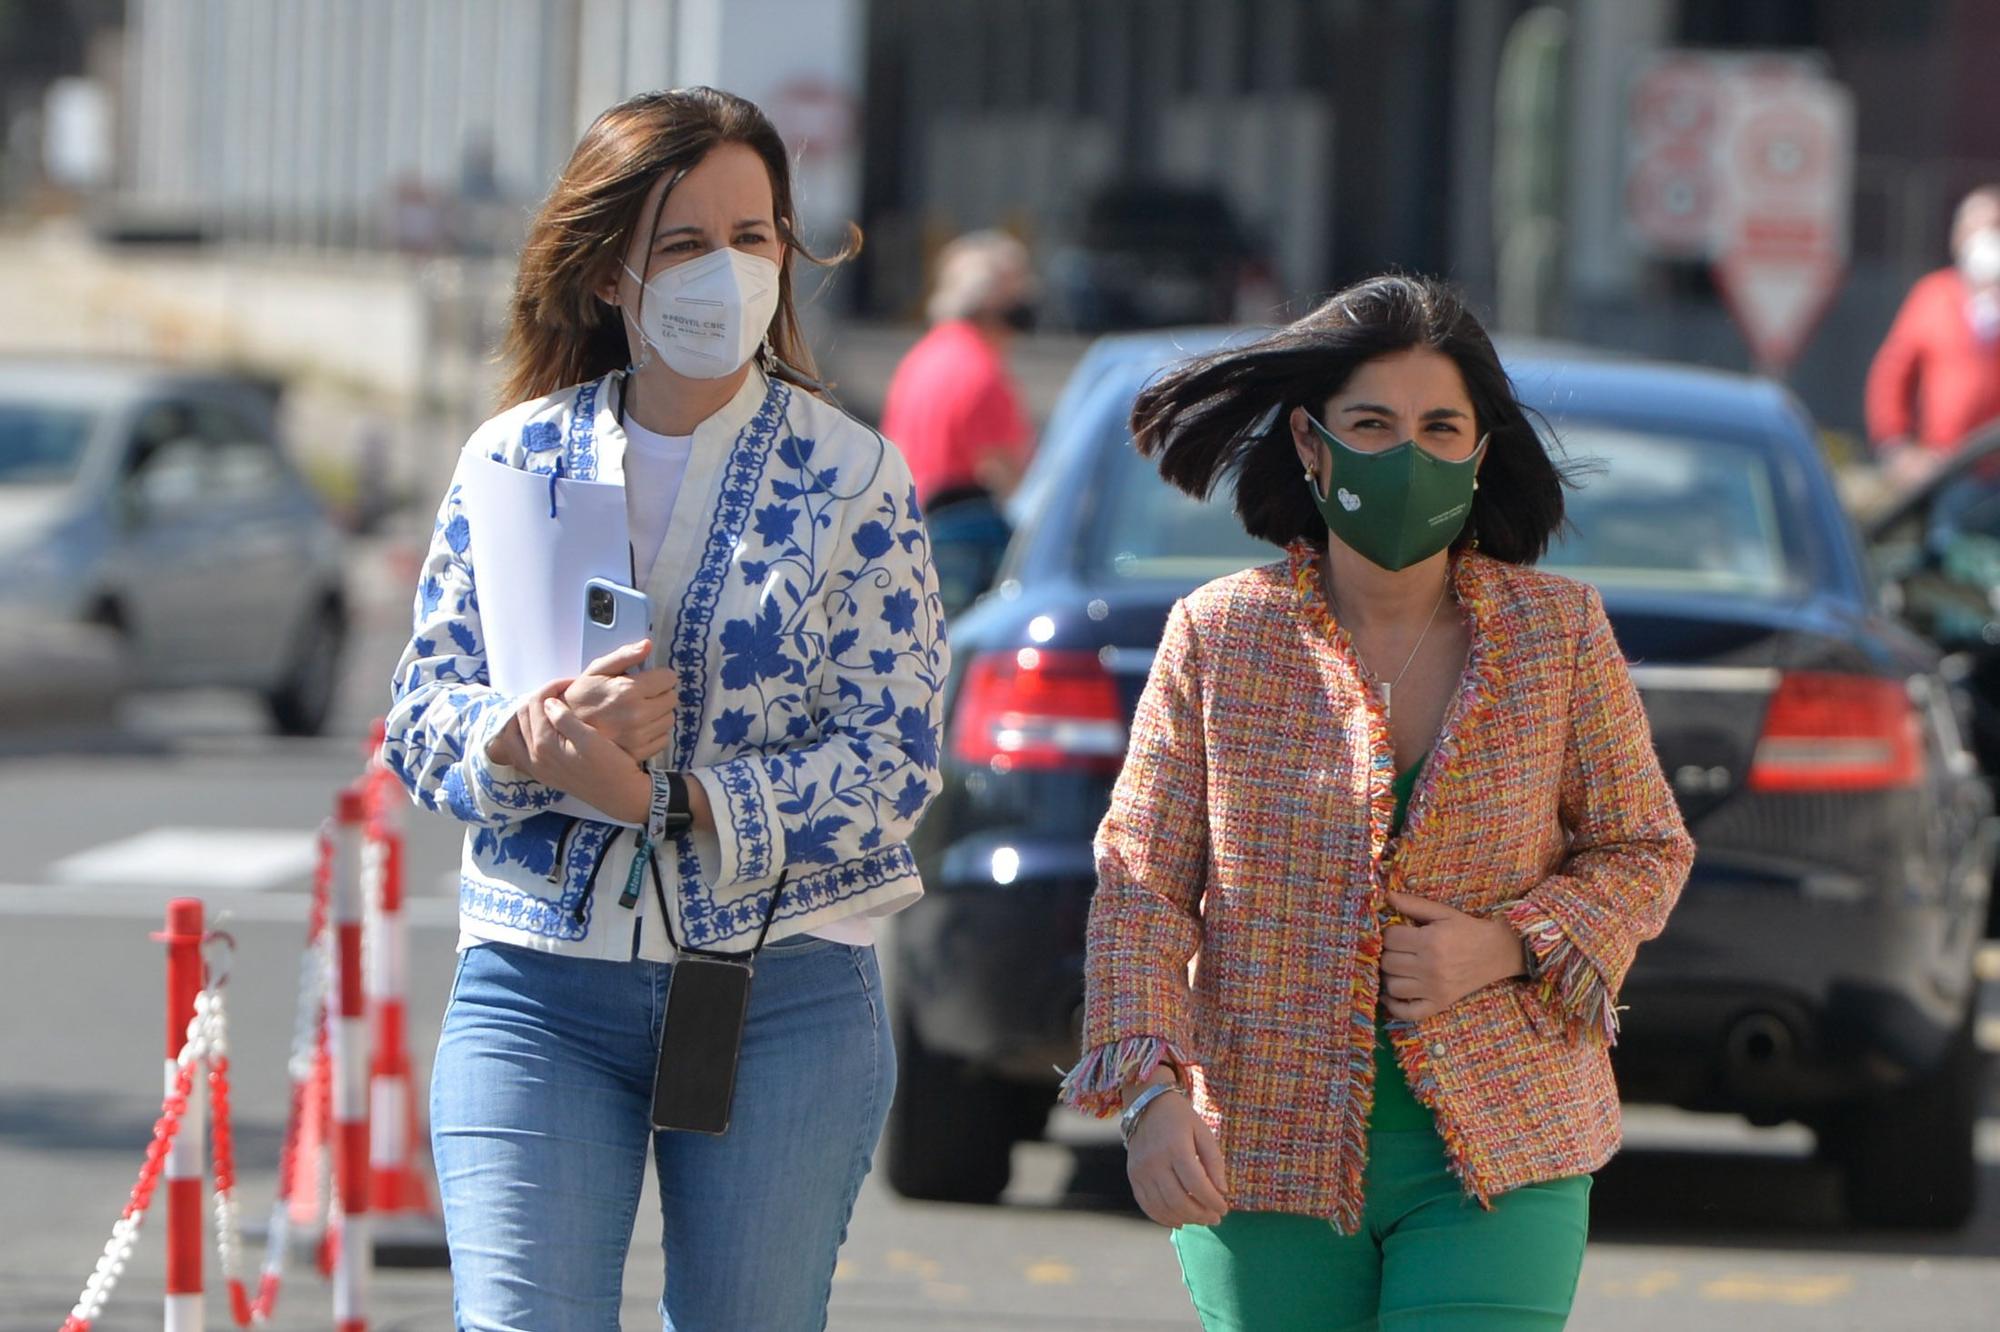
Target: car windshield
[
  {"x": 1663, "y": 512},
  {"x": 41, "y": 445}
]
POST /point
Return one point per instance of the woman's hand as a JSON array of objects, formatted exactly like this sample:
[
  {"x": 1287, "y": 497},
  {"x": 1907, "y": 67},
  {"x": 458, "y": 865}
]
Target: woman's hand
[
  {"x": 1445, "y": 955},
  {"x": 635, "y": 711},
  {"x": 573, "y": 757},
  {"x": 1175, "y": 1165}
]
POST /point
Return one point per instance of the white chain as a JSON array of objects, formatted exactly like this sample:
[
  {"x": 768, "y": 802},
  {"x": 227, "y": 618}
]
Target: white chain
[
  {"x": 228, "y": 1238},
  {"x": 125, "y": 1233}
]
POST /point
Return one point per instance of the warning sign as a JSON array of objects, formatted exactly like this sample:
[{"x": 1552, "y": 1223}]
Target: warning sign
[{"x": 1747, "y": 161}]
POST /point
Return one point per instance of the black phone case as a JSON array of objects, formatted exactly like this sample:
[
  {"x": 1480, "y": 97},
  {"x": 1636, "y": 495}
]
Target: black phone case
[{"x": 695, "y": 1079}]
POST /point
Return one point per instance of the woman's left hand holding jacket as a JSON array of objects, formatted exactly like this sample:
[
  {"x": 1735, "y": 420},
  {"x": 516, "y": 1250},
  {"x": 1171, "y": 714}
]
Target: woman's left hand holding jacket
[{"x": 1441, "y": 956}]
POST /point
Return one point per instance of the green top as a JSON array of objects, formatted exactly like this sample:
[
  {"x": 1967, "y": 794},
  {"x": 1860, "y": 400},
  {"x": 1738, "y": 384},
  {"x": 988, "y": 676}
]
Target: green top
[
  {"x": 1396, "y": 1108},
  {"x": 1405, "y": 786}
]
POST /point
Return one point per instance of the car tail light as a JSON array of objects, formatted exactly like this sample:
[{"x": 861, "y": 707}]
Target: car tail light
[
  {"x": 1037, "y": 708},
  {"x": 1828, "y": 732}
]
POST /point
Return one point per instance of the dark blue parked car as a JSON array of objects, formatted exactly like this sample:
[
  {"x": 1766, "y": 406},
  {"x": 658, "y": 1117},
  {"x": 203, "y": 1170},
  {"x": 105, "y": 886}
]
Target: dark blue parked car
[{"x": 1820, "y": 965}]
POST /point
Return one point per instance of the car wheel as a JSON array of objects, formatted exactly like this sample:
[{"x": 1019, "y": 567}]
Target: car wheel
[
  {"x": 1907, "y": 1154},
  {"x": 952, "y": 1129},
  {"x": 301, "y": 704}
]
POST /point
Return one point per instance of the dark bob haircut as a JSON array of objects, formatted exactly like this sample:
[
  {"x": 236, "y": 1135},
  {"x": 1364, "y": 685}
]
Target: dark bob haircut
[{"x": 1225, "y": 416}]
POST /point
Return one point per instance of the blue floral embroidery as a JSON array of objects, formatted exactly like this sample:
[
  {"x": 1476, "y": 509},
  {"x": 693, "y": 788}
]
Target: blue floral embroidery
[
  {"x": 899, "y": 611},
  {"x": 872, "y": 540},
  {"x": 731, "y": 729},
  {"x": 753, "y": 652},
  {"x": 775, "y": 522},
  {"x": 500, "y": 903},
  {"x": 910, "y": 800},
  {"x": 582, "y": 447}
]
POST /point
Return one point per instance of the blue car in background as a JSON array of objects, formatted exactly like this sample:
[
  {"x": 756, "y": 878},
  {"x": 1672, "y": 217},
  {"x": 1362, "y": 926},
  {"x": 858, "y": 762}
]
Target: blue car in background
[{"x": 1820, "y": 966}]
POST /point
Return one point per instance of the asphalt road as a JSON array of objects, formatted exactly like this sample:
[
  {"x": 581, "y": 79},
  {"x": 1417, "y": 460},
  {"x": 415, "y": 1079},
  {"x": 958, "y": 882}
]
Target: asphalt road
[{"x": 1703, "y": 1222}]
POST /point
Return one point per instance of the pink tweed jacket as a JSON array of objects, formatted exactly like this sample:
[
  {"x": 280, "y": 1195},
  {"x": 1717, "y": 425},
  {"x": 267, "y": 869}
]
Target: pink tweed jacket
[{"x": 1237, "y": 926}]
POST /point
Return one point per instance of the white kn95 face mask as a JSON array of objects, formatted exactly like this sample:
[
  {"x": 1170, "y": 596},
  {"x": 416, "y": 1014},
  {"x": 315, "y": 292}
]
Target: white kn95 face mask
[{"x": 708, "y": 316}]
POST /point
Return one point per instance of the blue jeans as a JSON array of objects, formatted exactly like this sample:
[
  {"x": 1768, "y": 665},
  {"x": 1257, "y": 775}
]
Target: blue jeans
[{"x": 540, "y": 1120}]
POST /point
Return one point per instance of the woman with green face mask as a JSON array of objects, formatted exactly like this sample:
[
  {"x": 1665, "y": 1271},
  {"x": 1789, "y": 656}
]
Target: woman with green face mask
[{"x": 1389, "y": 831}]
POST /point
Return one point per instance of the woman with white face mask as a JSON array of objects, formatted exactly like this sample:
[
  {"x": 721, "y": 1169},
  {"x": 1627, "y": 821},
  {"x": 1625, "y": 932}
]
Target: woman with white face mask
[{"x": 771, "y": 743}]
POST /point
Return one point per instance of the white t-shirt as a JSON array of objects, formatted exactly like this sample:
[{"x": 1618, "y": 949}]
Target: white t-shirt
[{"x": 654, "y": 468}]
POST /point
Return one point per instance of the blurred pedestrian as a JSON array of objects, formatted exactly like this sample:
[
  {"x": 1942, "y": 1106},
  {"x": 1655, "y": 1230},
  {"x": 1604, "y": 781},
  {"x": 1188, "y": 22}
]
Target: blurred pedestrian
[
  {"x": 1936, "y": 377},
  {"x": 952, "y": 404},
  {"x": 1395, "y": 798},
  {"x": 767, "y": 752}
]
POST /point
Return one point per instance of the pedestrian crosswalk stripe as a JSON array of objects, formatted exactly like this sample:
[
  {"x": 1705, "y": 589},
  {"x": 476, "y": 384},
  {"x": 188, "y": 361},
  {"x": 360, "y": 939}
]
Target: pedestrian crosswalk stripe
[
  {"x": 145, "y": 904},
  {"x": 194, "y": 859}
]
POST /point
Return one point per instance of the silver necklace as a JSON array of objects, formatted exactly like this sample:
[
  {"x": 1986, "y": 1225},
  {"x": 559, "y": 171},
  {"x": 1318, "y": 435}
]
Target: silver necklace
[{"x": 1389, "y": 686}]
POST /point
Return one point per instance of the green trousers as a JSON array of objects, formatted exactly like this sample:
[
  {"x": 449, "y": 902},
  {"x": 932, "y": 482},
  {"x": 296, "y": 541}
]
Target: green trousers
[{"x": 1426, "y": 1259}]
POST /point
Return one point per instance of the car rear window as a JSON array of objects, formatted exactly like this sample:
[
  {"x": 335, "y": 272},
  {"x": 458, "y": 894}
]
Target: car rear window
[
  {"x": 1664, "y": 512},
  {"x": 41, "y": 445},
  {"x": 1658, "y": 512},
  {"x": 1144, "y": 528}
]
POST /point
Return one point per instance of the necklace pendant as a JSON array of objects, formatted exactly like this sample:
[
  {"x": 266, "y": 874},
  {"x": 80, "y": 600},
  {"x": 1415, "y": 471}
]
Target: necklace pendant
[{"x": 1388, "y": 697}]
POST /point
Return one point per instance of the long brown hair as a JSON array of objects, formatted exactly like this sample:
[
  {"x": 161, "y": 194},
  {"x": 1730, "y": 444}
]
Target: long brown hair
[{"x": 558, "y": 332}]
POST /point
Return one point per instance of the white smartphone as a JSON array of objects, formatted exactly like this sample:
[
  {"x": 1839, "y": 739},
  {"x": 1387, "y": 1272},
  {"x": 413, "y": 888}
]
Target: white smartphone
[{"x": 614, "y": 616}]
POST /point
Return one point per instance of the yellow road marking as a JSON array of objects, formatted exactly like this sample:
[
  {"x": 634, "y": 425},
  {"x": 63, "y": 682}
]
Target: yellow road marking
[
  {"x": 843, "y": 1270},
  {"x": 1987, "y": 1034},
  {"x": 1754, "y": 1288},
  {"x": 1050, "y": 1272},
  {"x": 902, "y": 1260},
  {"x": 1646, "y": 1287},
  {"x": 946, "y": 1293}
]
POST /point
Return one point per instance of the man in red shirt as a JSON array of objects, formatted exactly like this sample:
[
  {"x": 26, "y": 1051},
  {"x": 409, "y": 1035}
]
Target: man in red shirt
[
  {"x": 952, "y": 406},
  {"x": 1936, "y": 377}
]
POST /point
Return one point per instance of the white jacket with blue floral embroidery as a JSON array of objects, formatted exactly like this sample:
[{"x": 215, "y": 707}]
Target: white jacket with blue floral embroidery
[{"x": 795, "y": 599}]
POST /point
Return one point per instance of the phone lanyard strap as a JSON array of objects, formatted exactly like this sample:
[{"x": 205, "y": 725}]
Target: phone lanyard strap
[{"x": 667, "y": 917}]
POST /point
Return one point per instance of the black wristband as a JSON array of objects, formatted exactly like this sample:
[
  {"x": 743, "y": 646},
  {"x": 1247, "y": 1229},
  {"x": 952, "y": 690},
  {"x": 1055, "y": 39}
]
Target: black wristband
[{"x": 668, "y": 815}]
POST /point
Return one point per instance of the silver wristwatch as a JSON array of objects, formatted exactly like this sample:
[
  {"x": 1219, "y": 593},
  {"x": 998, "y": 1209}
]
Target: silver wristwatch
[{"x": 1128, "y": 1123}]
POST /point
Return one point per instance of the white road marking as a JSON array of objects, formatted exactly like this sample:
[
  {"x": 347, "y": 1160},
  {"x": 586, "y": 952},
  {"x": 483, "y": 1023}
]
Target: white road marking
[
  {"x": 1986, "y": 962},
  {"x": 196, "y": 859},
  {"x": 146, "y": 904}
]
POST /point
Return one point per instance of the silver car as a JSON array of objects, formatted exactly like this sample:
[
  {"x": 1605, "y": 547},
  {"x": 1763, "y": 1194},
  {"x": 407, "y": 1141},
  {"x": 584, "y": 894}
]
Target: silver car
[{"x": 156, "y": 504}]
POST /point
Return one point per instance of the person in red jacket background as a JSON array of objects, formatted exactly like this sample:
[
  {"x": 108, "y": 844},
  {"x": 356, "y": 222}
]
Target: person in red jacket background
[
  {"x": 1936, "y": 377},
  {"x": 952, "y": 406}
]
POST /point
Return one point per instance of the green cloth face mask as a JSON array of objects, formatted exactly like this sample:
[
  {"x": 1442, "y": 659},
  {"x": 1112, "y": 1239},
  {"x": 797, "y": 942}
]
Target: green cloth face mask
[{"x": 1398, "y": 507}]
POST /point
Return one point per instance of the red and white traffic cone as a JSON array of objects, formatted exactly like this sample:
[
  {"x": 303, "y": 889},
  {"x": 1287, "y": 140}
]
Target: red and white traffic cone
[{"x": 396, "y": 1185}]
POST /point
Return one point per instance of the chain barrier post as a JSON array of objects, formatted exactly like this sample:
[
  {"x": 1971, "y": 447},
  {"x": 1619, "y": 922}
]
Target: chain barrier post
[
  {"x": 183, "y": 938},
  {"x": 349, "y": 1022}
]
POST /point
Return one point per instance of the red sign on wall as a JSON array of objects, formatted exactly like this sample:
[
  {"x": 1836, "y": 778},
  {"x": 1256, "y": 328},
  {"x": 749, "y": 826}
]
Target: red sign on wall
[{"x": 1747, "y": 162}]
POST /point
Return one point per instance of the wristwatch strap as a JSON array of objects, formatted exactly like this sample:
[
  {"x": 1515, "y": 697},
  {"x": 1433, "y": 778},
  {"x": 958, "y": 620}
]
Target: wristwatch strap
[
  {"x": 667, "y": 816},
  {"x": 1531, "y": 960}
]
